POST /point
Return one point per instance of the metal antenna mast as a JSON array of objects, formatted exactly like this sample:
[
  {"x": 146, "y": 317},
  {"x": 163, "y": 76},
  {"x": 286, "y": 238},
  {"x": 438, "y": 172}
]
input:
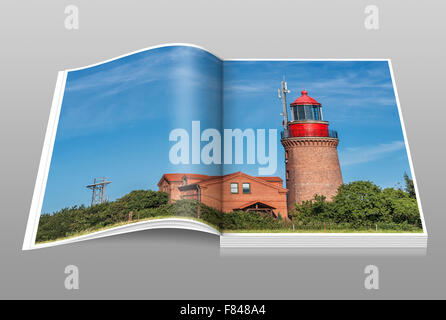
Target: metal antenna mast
[
  {"x": 283, "y": 90},
  {"x": 98, "y": 188}
]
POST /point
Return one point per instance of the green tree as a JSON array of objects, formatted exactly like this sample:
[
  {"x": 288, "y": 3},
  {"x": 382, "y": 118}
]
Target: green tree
[
  {"x": 317, "y": 209},
  {"x": 360, "y": 202},
  {"x": 403, "y": 207},
  {"x": 143, "y": 199},
  {"x": 410, "y": 187}
]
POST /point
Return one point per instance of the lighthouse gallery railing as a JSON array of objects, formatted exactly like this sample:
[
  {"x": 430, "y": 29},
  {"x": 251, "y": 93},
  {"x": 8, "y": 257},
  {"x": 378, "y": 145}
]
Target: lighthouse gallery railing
[{"x": 331, "y": 134}]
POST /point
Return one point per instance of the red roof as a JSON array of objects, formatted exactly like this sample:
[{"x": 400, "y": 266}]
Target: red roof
[
  {"x": 179, "y": 176},
  {"x": 207, "y": 179},
  {"x": 305, "y": 99},
  {"x": 271, "y": 179}
]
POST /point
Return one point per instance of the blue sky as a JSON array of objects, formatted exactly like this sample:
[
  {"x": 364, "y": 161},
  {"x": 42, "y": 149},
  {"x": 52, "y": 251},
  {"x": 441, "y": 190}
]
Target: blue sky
[
  {"x": 357, "y": 99},
  {"x": 116, "y": 117}
]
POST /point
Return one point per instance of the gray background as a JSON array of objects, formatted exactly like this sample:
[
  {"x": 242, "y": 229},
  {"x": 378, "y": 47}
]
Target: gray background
[{"x": 182, "y": 264}]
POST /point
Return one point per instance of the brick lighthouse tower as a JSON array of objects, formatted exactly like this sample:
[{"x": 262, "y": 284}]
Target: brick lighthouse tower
[{"x": 311, "y": 156}]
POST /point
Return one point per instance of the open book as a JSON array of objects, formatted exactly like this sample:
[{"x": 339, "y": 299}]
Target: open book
[{"x": 262, "y": 153}]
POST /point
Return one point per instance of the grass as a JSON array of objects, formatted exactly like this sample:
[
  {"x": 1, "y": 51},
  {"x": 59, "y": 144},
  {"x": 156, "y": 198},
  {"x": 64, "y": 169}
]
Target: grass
[{"x": 322, "y": 231}]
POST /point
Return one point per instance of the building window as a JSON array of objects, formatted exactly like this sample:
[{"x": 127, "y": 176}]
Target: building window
[
  {"x": 234, "y": 187},
  {"x": 295, "y": 115},
  {"x": 287, "y": 174},
  {"x": 316, "y": 113},
  {"x": 246, "y": 188},
  {"x": 301, "y": 112},
  {"x": 308, "y": 113}
]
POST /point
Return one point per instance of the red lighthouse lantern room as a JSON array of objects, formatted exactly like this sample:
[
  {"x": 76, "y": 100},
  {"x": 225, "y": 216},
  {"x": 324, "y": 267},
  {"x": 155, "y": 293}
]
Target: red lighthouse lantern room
[{"x": 306, "y": 118}]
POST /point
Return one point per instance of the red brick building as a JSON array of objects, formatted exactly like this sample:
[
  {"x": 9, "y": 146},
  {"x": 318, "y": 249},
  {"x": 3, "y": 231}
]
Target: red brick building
[{"x": 236, "y": 191}]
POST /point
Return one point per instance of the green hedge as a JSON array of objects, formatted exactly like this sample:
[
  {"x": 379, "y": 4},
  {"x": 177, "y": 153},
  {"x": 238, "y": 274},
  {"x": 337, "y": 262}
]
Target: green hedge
[
  {"x": 357, "y": 206},
  {"x": 77, "y": 219},
  {"x": 361, "y": 204}
]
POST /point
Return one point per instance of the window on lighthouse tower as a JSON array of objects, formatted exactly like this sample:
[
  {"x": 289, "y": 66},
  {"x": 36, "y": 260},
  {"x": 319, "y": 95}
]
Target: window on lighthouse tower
[
  {"x": 317, "y": 113},
  {"x": 307, "y": 112},
  {"x": 300, "y": 113}
]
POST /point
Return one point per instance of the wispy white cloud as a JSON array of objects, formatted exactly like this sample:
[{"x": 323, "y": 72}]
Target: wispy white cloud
[
  {"x": 341, "y": 84},
  {"x": 95, "y": 95},
  {"x": 357, "y": 155},
  {"x": 245, "y": 87},
  {"x": 87, "y": 118},
  {"x": 168, "y": 65},
  {"x": 351, "y": 85}
]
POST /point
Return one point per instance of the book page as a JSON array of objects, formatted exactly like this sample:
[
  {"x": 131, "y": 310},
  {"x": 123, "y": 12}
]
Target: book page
[
  {"x": 130, "y": 132},
  {"x": 316, "y": 147}
]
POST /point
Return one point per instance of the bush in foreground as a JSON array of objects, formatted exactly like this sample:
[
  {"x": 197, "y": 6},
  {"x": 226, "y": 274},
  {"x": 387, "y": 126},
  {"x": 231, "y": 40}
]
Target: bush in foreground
[{"x": 361, "y": 204}]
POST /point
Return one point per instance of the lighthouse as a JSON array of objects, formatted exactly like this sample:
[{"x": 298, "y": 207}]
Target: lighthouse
[{"x": 311, "y": 156}]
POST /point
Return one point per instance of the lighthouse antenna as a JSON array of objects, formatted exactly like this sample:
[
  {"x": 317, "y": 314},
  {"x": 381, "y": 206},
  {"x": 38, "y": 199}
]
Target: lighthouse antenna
[{"x": 282, "y": 96}]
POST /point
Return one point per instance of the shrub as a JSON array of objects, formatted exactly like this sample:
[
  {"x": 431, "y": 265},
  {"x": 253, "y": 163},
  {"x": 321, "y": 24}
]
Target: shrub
[
  {"x": 360, "y": 204},
  {"x": 68, "y": 221},
  {"x": 357, "y": 205},
  {"x": 242, "y": 220}
]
